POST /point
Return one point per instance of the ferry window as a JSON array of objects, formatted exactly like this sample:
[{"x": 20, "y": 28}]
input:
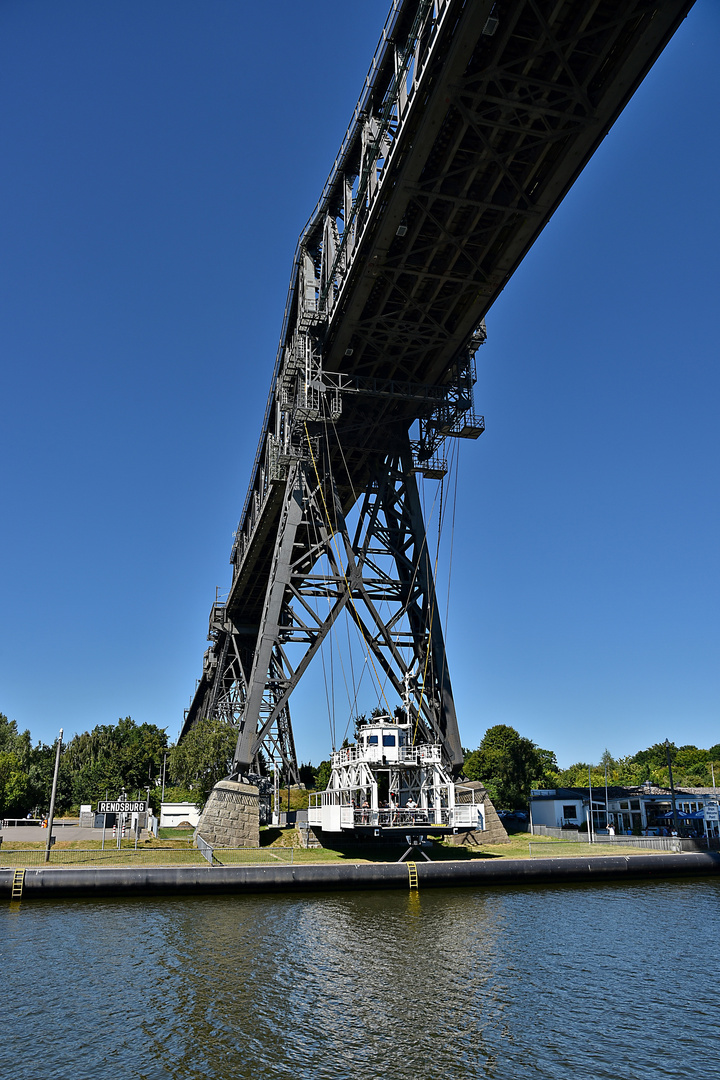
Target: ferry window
[
  {"x": 372, "y": 740},
  {"x": 569, "y": 811},
  {"x": 624, "y": 806},
  {"x": 388, "y": 740},
  {"x": 634, "y": 804}
]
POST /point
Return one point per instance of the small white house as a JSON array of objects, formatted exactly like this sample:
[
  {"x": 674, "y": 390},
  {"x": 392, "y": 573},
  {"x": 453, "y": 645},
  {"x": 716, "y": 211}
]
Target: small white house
[
  {"x": 557, "y": 808},
  {"x": 173, "y": 813}
]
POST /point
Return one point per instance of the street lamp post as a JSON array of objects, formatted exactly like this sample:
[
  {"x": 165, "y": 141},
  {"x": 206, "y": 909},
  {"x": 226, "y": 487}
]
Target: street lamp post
[
  {"x": 591, "y": 837},
  {"x": 51, "y": 815},
  {"x": 607, "y": 811},
  {"x": 162, "y": 797},
  {"x": 676, "y": 822}
]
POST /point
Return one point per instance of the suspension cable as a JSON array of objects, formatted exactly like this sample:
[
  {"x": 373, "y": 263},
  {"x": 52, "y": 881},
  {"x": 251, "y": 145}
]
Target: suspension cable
[
  {"x": 359, "y": 624},
  {"x": 456, "y": 465}
]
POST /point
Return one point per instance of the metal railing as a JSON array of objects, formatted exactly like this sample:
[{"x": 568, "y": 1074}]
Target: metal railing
[
  {"x": 10, "y": 857},
  {"x": 400, "y": 817},
  {"x": 205, "y": 849},
  {"x": 406, "y": 755},
  {"x": 31, "y": 857},
  {"x": 395, "y": 817},
  {"x": 58, "y": 823},
  {"x": 607, "y": 845}
]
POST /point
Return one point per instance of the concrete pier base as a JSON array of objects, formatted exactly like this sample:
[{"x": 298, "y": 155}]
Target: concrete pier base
[{"x": 231, "y": 816}]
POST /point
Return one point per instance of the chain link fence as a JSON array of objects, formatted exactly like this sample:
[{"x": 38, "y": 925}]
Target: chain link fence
[{"x": 627, "y": 846}]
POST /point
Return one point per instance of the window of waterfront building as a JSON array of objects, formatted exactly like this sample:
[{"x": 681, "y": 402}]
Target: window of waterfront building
[
  {"x": 388, "y": 740},
  {"x": 569, "y": 811}
]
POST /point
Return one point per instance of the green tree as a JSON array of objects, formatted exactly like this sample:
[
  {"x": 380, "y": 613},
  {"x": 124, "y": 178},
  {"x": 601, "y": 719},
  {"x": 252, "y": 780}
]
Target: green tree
[
  {"x": 14, "y": 742},
  {"x": 322, "y": 776},
  {"x": 113, "y": 756},
  {"x": 359, "y": 722},
  {"x": 306, "y": 774},
  {"x": 204, "y": 756},
  {"x": 508, "y": 765},
  {"x": 13, "y": 785}
]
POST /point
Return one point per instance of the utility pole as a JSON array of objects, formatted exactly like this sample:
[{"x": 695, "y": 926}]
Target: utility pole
[
  {"x": 672, "y": 789},
  {"x": 51, "y": 815},
  {"x": 162, "y": 797},
  {"x": 607, "y": 811},
  {"x": 591, "y": 837}
]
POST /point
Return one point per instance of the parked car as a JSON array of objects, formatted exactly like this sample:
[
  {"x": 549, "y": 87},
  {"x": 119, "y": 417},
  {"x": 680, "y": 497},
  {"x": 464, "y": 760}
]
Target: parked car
[{"x": 514, "y": 820}]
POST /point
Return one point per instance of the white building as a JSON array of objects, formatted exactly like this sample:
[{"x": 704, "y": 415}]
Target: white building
[
  {"x": 642, "y": 809},
  {"x": 173, "y": 813}
]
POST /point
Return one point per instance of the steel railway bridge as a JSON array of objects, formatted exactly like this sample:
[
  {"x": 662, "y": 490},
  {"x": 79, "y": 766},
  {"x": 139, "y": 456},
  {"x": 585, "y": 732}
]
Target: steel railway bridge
[{"x": 474, "y": 120}]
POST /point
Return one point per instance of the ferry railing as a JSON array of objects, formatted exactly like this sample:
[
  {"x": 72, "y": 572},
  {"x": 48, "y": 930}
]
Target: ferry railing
[
  {"x": 428, "y": 753},
  {"x": 407, "y": 755},
  {"x": 397, "y": 817},
  {"x": 347, "y": 755},
  {"x": 465, "y": 815}
]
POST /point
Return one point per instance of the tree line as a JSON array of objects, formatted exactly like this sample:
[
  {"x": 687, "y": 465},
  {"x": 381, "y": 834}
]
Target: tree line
[
  {"x": 93, "y": 765},
  {"x": 510, "y": 765},
  {"x": 131, "y": 757}
]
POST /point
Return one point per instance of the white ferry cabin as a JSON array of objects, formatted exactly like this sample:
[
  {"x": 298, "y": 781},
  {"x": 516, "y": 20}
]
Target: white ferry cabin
[{"x": 387, "y": 782}]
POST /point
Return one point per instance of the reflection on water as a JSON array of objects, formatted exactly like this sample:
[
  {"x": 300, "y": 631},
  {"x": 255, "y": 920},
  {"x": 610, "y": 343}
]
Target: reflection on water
[{"x": 592, "y": 981}]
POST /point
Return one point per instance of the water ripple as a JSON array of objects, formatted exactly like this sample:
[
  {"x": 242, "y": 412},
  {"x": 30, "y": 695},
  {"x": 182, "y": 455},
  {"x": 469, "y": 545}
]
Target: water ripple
[{"x": 528, "y": 983}]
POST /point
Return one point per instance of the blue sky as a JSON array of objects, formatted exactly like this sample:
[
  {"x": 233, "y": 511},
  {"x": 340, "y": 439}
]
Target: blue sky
[{"x": 160, "y": 159}]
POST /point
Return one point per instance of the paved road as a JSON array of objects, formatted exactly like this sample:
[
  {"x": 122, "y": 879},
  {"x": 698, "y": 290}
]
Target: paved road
[{"x": 34, "y": 834}]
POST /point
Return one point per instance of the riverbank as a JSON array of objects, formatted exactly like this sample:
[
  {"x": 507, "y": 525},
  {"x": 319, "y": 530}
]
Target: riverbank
[
  {"x": 284, "y": 847},
  {"x": 58, "y": 882}
]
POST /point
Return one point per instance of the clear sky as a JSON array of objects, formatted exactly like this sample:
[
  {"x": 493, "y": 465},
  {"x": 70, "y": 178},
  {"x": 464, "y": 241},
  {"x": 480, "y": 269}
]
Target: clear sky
[{"x": 160, "y": 158}]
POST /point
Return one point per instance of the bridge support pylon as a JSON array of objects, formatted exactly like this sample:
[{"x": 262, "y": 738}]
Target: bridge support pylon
[{"x": 380, "y": 577}]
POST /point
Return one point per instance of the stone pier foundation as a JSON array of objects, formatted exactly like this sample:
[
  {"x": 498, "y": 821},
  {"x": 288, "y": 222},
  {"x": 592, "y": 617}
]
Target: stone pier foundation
[
  {"x": 231, "y": 816},
  {"x": 494, "y": 831}
]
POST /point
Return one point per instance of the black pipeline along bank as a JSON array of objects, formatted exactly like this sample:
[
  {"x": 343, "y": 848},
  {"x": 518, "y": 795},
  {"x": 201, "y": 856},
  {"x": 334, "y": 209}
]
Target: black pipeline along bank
[{"x": 50, "y": 883}]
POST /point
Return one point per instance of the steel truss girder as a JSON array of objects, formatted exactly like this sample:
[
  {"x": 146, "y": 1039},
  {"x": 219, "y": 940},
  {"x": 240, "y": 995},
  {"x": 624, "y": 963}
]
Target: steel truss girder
[
  {"x": 226, "y": 696},
  {"x": 446, "y": 176},
  {"x": 386, "y": 563}
]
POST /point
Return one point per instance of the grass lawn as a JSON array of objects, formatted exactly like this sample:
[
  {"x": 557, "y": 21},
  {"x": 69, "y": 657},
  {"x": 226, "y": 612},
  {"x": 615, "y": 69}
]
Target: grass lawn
[
  {"x": 182, "y": 835},
  {"x": 174, "y": 848}
]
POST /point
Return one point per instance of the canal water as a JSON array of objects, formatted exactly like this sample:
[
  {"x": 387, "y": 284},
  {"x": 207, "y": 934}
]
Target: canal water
[{"x": 590, "y": 981}]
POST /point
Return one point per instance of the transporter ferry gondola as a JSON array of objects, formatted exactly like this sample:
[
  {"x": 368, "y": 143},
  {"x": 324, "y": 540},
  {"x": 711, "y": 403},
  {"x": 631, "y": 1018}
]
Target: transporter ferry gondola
[{"x": 388, "y": 784}]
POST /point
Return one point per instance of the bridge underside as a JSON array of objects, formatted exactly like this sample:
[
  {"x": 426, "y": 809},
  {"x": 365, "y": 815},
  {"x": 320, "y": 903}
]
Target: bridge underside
[{"x": 475, "y": 120}]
